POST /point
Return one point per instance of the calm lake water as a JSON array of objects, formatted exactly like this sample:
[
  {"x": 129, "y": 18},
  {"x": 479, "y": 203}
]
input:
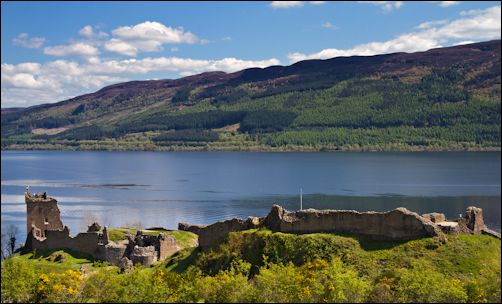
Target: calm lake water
[{"x": 163, "y": 189}]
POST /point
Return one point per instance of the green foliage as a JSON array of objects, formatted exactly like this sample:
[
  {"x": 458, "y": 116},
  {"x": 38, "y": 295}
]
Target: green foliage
[
  {"x": 198, "y": 120},
  {"x": 83, "y": 133},
  {"x": 315, "y": 282},
  {"x": 181, "y": 96},
  {"x": 266, "y": 121},
  {"x": 19, "y": 280},
  {"x": 260, "y": 266},
  {"x": 187, "y": 135}
]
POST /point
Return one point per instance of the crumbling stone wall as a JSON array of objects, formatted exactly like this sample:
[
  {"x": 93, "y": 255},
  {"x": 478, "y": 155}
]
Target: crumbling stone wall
[
  {"x": 397, "y": 224},
  {"x": 167, "y": 246},
  {"x": 45, "y": 232},
  {"x": 86, "y": 242},
  {"x": 141, "y": 249},
  {"x": 43, "y": 214},
  {"x": 473, "y": 219},
  {"x": 217, "y": 232},
  {"x": 143, "y": 255},
  {"x": 435, "y": 217},
  {"x": 114, "y": 253}
]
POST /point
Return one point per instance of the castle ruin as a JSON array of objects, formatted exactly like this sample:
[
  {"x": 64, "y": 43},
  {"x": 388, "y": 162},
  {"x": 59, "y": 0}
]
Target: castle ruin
[
  {"x": 396, "y": 225},
  {"x": 46, "y": 232}
]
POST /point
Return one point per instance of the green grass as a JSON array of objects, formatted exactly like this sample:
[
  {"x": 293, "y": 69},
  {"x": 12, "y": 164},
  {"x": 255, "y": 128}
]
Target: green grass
[
  {"x": 44, "y": 260},
  {"x": 184, "y": 239}
]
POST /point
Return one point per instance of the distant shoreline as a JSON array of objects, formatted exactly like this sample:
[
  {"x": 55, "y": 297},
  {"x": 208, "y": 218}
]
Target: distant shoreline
[{"x": 208, "y": 148}]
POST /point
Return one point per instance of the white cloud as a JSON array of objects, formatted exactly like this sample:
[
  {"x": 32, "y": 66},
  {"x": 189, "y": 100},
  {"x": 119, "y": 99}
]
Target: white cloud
[
  {"x": 24, "y": 40},
  {"x": 290, "y": 4},
  {"x": 148, "y": 37},
  {"x": 328, "y": 24},
  {"x": 448, "y": 3},
  {"x": 464, "y": 42},
  {"x": 88, "y": 31},
  {"x": 429, "y": 24},
  {"x": 479, "y": 25},
  {"x": 385, "y": 5},
  {"x": 32, "y": 83},
  {"x": 121, "y": 47},
  {"x": 286, "y": 4},
  {"x": 472, "y": 12},
  {"x": 77, "y": 48},
  {"x": 155, "y": 31}
]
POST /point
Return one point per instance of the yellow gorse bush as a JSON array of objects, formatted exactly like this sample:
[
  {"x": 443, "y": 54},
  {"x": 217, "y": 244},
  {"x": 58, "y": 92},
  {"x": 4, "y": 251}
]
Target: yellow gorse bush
[{"x": 59, "y": 286}]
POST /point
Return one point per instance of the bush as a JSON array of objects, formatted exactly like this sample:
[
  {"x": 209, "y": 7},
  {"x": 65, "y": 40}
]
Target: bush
[{"x": 19, "y": 281}]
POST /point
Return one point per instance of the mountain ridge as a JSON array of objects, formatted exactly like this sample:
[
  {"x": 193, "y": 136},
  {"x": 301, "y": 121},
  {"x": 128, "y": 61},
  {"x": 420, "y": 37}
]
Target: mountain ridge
[{"x": 448, "y": 80}]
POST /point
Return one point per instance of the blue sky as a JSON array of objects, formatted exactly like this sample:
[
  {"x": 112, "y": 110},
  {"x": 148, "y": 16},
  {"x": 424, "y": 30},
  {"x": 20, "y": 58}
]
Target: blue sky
[{"x": 56, "y": 50}]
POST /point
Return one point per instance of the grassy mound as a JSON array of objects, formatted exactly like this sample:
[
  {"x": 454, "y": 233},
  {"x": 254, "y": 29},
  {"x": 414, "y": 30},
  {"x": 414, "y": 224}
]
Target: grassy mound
[{"x": 261, "y": 266}]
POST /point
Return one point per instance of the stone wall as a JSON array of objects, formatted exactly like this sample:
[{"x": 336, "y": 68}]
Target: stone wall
[
  {"x": 435, "y": 217},
  {"x": 43, "y": 214},
  {"x": 114, "y": 252},
  {"x": 397, "y": 224},
  {"x": 217, "y": 232},
  {"x": 474, "y": 219},
  {"x": 143, "y": 249},
  {"x": 45, "y": 232},
  {"x": 86, "y": 242},
  {"x": 144, "y": 255},
  {"x": 167, "y": 246}
]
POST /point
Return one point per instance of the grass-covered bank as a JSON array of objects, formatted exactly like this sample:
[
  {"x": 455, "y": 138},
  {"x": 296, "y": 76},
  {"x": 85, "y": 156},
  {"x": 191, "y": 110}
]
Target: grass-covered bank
[{"x": 260, "y": 266}]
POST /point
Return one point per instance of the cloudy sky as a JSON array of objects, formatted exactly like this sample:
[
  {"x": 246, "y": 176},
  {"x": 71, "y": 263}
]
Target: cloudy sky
[{"x": 52, "y": 51}]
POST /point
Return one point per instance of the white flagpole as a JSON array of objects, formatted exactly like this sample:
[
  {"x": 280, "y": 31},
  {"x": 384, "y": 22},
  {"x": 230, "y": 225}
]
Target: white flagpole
[{"x": 301, "y": 199}]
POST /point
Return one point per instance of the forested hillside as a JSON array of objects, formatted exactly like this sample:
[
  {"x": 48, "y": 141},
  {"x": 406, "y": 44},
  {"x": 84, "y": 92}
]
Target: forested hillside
[{"x": 441, "y": 99}]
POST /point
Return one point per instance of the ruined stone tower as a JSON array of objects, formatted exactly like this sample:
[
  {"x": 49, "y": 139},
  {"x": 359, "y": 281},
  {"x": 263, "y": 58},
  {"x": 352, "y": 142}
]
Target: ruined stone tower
[{"x": 43, "y": 214}]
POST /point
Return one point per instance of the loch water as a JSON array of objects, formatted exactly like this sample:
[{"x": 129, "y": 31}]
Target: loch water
[{"x": 165, "y": 188}]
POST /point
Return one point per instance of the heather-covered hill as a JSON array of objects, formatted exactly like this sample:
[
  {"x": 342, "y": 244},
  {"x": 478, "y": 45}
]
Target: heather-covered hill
[{"x": 441, "y": 99}]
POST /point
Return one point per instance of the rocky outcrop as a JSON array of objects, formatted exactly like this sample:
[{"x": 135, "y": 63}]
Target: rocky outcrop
[
  {"x": 209, "y": 235},
  {"x": 398, "y": 224}
]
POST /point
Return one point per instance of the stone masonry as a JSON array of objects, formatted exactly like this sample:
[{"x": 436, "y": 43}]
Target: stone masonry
[
  {"x": 46, "y": 232},
  {"x": 398, "y": 224},
  {"x": 43, "y": 214}
]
